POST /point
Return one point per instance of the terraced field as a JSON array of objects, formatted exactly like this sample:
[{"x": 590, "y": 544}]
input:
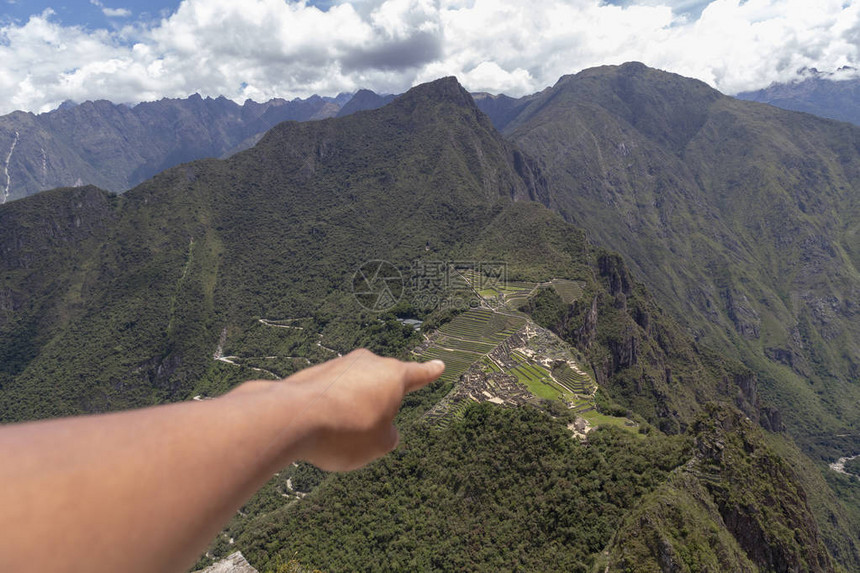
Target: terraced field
[
  {"x": 482, "y": 324},
  {"x": 505, "y": 357},
  {"x": 538, "y": 379},
  {"x": 569, "y": 291},
  {"x": 497, "y": 291},
  {"x": 469, "y": 337},
  {"x": 579, "y": 382},
  {"x": 517, "y": 294}
]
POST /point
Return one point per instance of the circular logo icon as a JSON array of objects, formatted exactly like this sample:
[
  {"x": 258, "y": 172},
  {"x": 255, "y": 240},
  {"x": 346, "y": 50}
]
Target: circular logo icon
[{"x": 377, "y": 285}]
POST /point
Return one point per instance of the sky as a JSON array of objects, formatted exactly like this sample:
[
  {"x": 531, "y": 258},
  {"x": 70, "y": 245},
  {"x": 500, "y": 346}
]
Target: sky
[{"x": 129, "y": 51}]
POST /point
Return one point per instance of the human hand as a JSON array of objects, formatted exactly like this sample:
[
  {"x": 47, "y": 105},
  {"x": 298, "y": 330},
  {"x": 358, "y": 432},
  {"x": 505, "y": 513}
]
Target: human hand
[{"x": 352, "y": 401}]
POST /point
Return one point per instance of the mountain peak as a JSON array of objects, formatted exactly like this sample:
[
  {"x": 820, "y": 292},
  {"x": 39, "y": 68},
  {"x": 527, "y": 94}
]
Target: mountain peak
[
  {"x": 446, "y": 89},
  {"x": 637, "y": 70},
  {"x": 364, "y": 100},
  {"x": 830, "y": 95},
  {"x": 666, "y": 107}
]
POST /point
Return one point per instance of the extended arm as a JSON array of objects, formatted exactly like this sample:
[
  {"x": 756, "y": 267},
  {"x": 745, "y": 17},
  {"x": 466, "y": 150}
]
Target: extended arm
[{"x": 146, "y": 490}]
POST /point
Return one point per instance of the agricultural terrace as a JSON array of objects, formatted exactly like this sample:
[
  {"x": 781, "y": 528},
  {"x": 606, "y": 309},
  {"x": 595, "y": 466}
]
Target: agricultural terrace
[
  {"x": 497, "y": 292},
  {"x": 468, "y": 338},
  {"x": 569, "y": 291},
  {"x": 497, "y": 354},
  {"x": 537, "y": 379},
  {"x": 498, "y": 346}
]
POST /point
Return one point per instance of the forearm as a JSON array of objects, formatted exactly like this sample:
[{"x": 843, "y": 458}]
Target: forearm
[
  {"x": 146, "y": 490},
  {"x": 161, "y": 480}
]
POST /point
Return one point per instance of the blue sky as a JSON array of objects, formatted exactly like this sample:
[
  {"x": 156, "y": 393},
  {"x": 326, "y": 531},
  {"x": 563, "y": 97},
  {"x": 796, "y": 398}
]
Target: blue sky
[
  {"x": 100, "y": 13},
  {"x": 129, "y": 51},
  {"x": 89, "y": 14}
]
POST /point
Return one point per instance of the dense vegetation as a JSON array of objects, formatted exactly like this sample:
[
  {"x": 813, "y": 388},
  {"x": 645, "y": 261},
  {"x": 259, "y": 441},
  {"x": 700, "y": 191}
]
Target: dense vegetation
[
  {"x": 501, "y": 490},
  {"x": 853, "y": 466},
  {"x": 124, "y": 300},
  {"x": 734, "y": 478}
]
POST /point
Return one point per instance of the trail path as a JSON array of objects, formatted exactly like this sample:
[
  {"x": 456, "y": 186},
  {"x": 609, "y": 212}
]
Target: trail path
[
  {"x": 274, "y": 324},
  {"x": 219, "y": 351}
]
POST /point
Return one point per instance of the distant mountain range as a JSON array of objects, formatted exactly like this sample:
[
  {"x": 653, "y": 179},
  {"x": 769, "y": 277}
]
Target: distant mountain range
[
  {"x": 116, "y": 146},
  {"x": 819, "y": 94},
  {"x": 740, "y": 220},
  {"x": 364, "y": 100}
]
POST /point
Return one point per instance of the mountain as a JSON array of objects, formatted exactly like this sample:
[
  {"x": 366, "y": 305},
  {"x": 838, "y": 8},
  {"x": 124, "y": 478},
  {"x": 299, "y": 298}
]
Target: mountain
[
  {"x": 502, "y": 109},
  {"x": 595, "y": 402},
  {"x": 116, "y": 147},
  {"x": 739, "y": 217},
  {"x": 364, "y": 100},
  {"x": 273, "y": 231},
  {"x": 819, "y": 94},
  {"x": 733, "y": 477}
]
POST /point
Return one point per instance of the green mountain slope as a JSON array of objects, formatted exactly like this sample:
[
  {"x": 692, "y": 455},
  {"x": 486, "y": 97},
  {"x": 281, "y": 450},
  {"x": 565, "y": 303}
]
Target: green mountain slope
[
  {"x": 739, "y": 217},
  {"x": 215, "y": 272},
  {"x": 274, "y": 232},
  {"x": 735, "y": 505},
  {"x": 507, "y": 488}
]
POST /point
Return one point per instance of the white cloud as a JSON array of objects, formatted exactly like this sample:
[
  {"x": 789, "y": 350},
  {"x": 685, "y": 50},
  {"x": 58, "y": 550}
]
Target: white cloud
[
  {"x": 268, "y": 48},
  {"x": 111, "y": 12},
  {"x": 116, "y": 12}
]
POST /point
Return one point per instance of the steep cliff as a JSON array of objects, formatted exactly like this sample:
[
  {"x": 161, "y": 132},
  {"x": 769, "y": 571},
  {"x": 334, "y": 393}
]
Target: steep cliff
[{"x": 736, "y": 505}]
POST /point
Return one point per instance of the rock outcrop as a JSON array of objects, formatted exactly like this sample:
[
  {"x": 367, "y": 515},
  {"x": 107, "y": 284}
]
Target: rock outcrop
[{"x": 234, "y": 563}]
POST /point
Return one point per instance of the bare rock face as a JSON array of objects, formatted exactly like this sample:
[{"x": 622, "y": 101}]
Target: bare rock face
[{"x": 234, "y": 563}]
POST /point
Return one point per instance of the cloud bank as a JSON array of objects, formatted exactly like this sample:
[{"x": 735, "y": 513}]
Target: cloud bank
[{"x": 271, "y": 48}]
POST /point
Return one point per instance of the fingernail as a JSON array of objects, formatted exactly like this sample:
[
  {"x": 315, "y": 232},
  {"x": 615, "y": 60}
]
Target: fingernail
[{"x": 438, "y": 364}]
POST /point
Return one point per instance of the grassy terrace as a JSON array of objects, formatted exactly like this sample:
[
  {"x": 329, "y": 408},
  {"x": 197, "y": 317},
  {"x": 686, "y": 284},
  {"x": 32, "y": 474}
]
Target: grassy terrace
[
  {"x": 538, "y": 379},
  {"x": 456, "y": 362},
  {"x": 468, "y": 338},
  {"x": 569, "y": 291},
  {"x": 466, "y": 345},
  {"x": 490, "y": 366},
  {"x": 595, "y": 418},
  {"x": 511, "y": 293},
  {"x": 579, "y": 383},
  {"x": 480, "y": 324}
]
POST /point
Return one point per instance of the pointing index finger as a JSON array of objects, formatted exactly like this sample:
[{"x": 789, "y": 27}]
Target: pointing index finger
[{"x": 419, "y": 374}]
